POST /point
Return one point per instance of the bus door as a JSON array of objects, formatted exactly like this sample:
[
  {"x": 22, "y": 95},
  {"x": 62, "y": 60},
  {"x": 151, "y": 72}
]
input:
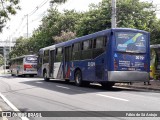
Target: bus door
[
  {"x": 51, "y": 63},
  {"x": 58, "y": 63},
  {"x": 99, "y": 56},
  {"x": 39, "y": 65},
  {"x": 99, "y": 68},
  {"x": 67, "y": 62}
]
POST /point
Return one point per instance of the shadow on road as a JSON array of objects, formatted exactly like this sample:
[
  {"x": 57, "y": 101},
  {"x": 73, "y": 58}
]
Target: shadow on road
[{"x": 69, "y": 87}]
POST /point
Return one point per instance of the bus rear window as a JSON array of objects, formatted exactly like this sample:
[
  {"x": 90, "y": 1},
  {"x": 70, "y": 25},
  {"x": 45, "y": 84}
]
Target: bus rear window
[
  {"x": 31, "y": 59},
  {"x": 131, "y": 42}
]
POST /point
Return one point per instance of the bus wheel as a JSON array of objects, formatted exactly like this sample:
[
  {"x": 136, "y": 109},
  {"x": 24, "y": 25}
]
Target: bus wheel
[
  {"x": 78, "y": 78},
  {"x": 45, "y": 76},
  {"x": 12, "y": 74},
  {"x": 86, "y": 83},
  {"x": 67, "y": 80},
  {"x": 107, "y": 85},
  {"x": 17, "y": 74},
  {"x": 31, "y": 75}
]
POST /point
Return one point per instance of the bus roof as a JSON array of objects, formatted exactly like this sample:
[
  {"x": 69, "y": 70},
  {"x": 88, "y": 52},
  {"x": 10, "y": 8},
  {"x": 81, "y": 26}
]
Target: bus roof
[
  {"x": 47, "y": 48},
  {"x": 99, "y": 33},
  {"x": 129, "y": 29},
  {"x": 69, "y": 42},
  {"x": 23, "y": 57}
]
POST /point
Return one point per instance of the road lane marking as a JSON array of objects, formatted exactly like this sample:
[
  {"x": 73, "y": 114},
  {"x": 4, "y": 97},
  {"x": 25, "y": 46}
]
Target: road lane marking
[
  {"x": 12, "y": 106},
  {"x": 62, "y": 87},
  {"x": 39, "y": 82},
  {"x": 113, "y": 97},
  {"x": 81, "y": 90}
]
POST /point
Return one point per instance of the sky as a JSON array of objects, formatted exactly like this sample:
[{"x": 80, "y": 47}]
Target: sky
[{"x": 17, "y": 25}]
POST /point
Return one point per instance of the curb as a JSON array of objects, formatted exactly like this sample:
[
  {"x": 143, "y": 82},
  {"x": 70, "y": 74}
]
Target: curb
[{"x": 139, "y": 87}]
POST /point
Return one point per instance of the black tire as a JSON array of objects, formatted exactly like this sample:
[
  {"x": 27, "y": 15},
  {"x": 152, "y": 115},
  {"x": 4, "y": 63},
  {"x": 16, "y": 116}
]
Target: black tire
[
  {"x": 31, "y": 75},
  {"x": 17, "y": 74},
  {"x": 12, "y": 74},
  {"x": 45, "y": 76},
  {"x": 67, "y": 80},
  {"x": 107, "y": 85},
  {"x": 86, "y": 83},
  {"x": 78, "y": 78}
]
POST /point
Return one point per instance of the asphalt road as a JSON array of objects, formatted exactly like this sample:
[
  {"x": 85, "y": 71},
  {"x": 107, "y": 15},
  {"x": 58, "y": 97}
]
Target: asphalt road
[{"x": 34, "y": 94}]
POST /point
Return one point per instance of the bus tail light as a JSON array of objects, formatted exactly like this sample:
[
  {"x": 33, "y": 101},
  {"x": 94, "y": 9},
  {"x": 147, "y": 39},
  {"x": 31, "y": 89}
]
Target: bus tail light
[
  {"x": 145, "y": 66},
  {"x": 115, "y": 65},
  {"x": 27, "y": 66}
]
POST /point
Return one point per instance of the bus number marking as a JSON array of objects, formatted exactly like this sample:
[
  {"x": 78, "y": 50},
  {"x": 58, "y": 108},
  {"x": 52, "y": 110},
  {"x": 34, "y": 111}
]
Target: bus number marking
[
  {"x": 91, "y": 64},
  {"x": 139, "y": 57}
]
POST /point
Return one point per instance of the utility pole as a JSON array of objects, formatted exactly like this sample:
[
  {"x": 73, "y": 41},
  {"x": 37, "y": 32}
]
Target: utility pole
[
  {"x": 113, "y": 22},
  {"x": 27, "y": 26},
  {"x": 10, "y": 44},
  {"x": 4, "y": 56},
  {"x": 9, "y": 39}
]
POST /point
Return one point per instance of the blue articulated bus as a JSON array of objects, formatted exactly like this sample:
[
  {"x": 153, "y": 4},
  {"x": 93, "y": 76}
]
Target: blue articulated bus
[{"x": 106, "y": 57}]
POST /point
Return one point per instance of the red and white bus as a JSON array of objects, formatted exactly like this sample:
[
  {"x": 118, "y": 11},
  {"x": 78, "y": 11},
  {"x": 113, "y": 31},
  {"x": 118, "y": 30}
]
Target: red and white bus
[{"x": 24, "y": 65}]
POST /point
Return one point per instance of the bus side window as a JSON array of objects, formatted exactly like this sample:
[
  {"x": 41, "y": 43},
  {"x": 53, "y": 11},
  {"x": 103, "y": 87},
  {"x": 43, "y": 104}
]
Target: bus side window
[
  {"x": 76, "y": 47},
  {"x": 46, "y": 56},
  {"x": 59, "y": 56},
  {"x": 76, "y": 51},
  {"x": 100, "y": 42},
  {"x": 86, "y": 45},
  {"x": 105, "y": 41},
  {"x": 39, "y": 59},
  {"x": 99, "y": 45},
  {"x": 86, "y": 49}
]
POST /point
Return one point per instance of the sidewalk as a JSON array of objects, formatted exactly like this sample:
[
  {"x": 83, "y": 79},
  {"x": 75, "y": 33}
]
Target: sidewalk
[
  {"x": 4, "y": 72},
  {"x": 155, "y": 85}
]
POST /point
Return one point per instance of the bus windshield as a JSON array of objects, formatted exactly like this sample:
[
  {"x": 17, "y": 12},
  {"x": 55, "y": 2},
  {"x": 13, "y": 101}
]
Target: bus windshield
[
  {"x": 134, "y": 42},
  {"x": 31, "y": 59}
]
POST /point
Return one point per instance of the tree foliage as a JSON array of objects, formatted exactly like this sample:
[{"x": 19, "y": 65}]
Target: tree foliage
[
  {"x": 57, "y": 1},
  {"x": 21, "y": 47},
  {"x": 64, "y": 36},
  {"x": 57, "y": 26},
  {"x": 96, "y": 19},
  {"x": 7, "y": 8},
  {"x": 1, "y": 60}
]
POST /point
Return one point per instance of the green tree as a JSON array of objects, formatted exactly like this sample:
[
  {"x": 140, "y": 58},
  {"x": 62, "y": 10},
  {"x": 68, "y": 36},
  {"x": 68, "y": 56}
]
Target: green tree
[
  {"x": 43, "y": 36},
  {"x": 155, "y": 30},
  {"x": 130, "y": 14},
  {"x": 139, "y": 15},
  {"x": 7, "y": 8},
  {"x": 96, "y": 19},
  {"x": 22, "y": 47},
  {"x": 1, "y": 60},
  {"x": 135, "y": 14},
  {"x": 53, "y": 25},
  {"x": 64, "y": 36},
  {"x": 58, "y": 1},
  {"x": 58, "y": 26}
]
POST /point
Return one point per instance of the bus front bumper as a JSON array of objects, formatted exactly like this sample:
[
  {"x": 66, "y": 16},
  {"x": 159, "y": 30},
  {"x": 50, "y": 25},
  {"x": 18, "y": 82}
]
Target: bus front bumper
[{"x": 128, "y": 76}]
